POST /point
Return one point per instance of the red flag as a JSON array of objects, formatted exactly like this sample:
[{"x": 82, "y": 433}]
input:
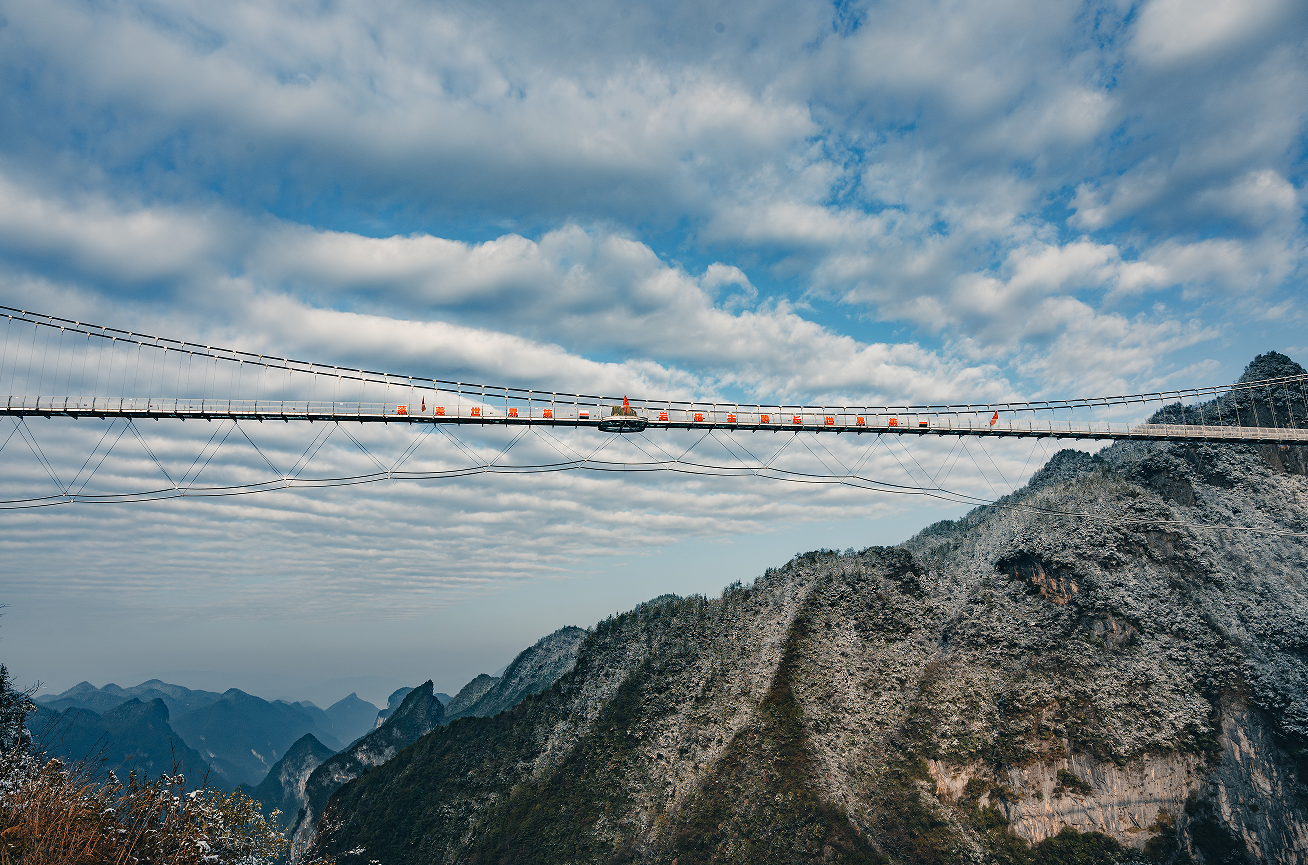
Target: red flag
[{"x": 995, "y": 418}]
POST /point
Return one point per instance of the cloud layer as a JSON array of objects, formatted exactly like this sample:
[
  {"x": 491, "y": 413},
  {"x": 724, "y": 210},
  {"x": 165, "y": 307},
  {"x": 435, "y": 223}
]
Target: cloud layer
[{"x": 864, "y": 202}]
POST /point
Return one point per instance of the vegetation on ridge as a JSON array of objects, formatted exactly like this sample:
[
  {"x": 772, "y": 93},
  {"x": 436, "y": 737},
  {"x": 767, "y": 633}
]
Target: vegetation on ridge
[{"x": 1016, "y": 686}]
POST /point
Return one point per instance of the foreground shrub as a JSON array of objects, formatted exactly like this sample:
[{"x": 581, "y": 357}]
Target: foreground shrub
[{"x": 52, "y": 813}]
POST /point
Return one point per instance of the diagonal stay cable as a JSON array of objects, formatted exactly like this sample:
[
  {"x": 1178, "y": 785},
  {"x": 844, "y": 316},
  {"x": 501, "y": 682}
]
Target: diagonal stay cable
[
  {"x": 981, "y": 471},
  {"x": 199, "y": 456},
  {"x": 905, "y": 449},
  {"x": 654, "y": 461},
  {"x": 780, "y": 450},
  {"x": 837, "y": 459},
  {"x": 411, "y": 449},
  {"x": 936, "y": 479},
  {"x": 818, "y": 458},
  {"x": 141, "y": 439},
  {"x": 221, "y": 442},
  {"x": 752, "y": 469},
  {"x": 998, "y": 471},
  {"x": 103, "y": 457},
  {"x": 692, "y": 447},
  {"x": 892, "y": 453},
  {"x": 89, "y": 456},
  {"x": 667, "y": 457},
  {"x": 319, "y": 439},
  {"x": 11, "y": 435},
  {"x": 35, "y": 447},
  {"x": 558, "y": 446},
  {"x": 510, "y": 445},
  {"x": 957, "y": 455},
  {"x": 1026, "y": 464},
  {"x": 867, "y": 454},
  {"x": 472, "y": 455},
  {"x": 366, "y": 452},
  {"x": 748, "y": 452},
  {"x": 265, "y": 456},
  {"x": 607, "y": 441}
]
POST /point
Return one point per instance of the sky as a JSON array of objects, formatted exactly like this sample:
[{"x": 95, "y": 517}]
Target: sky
[{"x": 766, "y": 202}]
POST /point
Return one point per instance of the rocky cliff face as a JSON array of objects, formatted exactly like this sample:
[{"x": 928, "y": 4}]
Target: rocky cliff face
[
  {"x": 283, "y": 788},
  {"x": 417, "y": 715},
  {"x": 1108, "y": 665}
]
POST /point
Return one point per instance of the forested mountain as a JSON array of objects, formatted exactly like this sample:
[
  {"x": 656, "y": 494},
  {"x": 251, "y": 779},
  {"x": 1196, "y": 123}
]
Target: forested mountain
[
  {"x": 534, "y": 670},
  {"x": 131, "y": 735},
  {"x": 417, "y": 715},
  {"x": 1108, "y": 665},
  {"x": 469, "y": 694},
  {"x": 395, "y": 699}
]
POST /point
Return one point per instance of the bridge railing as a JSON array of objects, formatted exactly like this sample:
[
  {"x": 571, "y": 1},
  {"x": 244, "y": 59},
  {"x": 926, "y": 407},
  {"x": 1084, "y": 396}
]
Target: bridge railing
[{"x": 589, "y": 414}]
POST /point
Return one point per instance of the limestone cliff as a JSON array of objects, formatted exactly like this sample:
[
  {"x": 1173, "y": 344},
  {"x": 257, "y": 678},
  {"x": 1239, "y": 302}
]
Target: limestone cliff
[{"x": 283, "y": 789}]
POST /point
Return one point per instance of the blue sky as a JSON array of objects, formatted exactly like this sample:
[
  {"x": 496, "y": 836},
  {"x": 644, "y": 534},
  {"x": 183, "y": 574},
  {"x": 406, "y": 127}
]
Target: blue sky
[{"x": 766, "y": 201}]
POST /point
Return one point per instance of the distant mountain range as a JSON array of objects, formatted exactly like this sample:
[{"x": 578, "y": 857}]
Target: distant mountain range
[
  {"x": 289, "y": 756},
  {"x": 179, "y": 700},
  {"x": 246, "y": 735},
  {"x": 234, "y": 737}
]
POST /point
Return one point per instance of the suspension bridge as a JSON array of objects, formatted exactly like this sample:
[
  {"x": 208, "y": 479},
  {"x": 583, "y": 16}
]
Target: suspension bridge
[
  {"x": 215, "y": 384},
  {"x": 60, "y": 368}
]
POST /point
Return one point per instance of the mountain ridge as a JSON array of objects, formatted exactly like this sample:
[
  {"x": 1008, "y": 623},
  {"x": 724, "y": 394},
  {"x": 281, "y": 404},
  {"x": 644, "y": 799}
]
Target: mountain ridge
[{"x": 1083, "y": 664}]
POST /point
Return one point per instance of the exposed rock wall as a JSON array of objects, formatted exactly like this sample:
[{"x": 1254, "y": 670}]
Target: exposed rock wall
[
  {"x": 283, "y": 790},
  {"x": 417, "y": 715}
]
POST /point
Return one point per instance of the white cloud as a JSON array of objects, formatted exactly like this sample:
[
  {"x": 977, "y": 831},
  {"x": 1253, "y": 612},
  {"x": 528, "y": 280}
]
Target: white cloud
[{"x": 1172, "y": 31}]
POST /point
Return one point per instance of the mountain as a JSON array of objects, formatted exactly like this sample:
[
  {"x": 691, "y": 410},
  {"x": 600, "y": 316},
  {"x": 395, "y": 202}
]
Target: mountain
[
  {"x": 317, "y": 715},
  {"x": 393, "y": 702},
  {"x": 84, "y": 695},
  {"x": 469, "y": 694},
  {"x": 283, "y": 788},
  {"x": 1109, "y": 665},
  {"x": 351, "y": 717},
  {"x": 132, "y": 735},
  {"x": 421, "y": 710},
  {"x": 248, "y": 733},
  {"x": 535, "y": 669},
  {"x": 417, "y": 715}
]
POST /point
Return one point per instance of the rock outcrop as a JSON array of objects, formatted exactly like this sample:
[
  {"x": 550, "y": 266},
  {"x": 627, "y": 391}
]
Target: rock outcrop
[
  {"x": 283, "y": 789},
  {"x": 417, "y": 715}
]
